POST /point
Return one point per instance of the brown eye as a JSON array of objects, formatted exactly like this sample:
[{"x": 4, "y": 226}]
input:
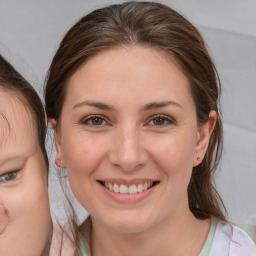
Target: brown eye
[
  {"x": 160, "y": 121},
  {"x": 94, "y": 121},
  {"x": 97, "y": 121}
]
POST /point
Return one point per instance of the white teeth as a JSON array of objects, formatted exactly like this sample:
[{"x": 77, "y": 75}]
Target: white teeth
[
  {"x": 132, "y": 189},
  {"x": 140, "y": 188},
  {"x": 116, "y": 188},
  {"x": 124, "y": 189},
  {"x": 109, "y": 186}
]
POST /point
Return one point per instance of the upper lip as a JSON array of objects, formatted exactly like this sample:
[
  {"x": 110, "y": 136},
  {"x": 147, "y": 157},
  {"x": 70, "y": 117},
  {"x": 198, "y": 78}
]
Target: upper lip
[{"x": 128, "y": 182}]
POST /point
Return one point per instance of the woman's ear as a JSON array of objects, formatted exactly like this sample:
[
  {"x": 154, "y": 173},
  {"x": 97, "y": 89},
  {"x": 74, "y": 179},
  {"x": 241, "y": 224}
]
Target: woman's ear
[
  {"x": 204, "y": 135},
  {"x": 59, "y": 159}
]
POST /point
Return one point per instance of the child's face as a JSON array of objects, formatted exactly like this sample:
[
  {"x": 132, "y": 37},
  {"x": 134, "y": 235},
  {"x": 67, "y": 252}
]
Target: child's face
[{"x": 24, "y": 205}]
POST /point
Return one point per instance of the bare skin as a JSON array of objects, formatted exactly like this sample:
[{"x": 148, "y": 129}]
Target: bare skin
[
  {"x": 162, "y": 240},
  {"x": 128, "y": 118},
  {"x": 4, "y": 219},
  {"x": 24, "y": 211}
]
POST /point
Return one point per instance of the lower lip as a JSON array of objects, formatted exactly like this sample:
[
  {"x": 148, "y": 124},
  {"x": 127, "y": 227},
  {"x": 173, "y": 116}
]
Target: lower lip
[{"x": 128, "y": 198}]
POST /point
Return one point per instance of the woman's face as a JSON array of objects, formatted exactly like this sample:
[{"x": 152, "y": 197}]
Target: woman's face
[
  {"x": 24, "y": 205},
  {"x": 129, "y": 138}
]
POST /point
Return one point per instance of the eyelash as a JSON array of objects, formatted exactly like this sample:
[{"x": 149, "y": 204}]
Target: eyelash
[
  {"x": 8, "y": 177},
  {"x": 92, "y": 118},
  {"x": 86, "y": 121},
  {"x": 163, "y": 118}
]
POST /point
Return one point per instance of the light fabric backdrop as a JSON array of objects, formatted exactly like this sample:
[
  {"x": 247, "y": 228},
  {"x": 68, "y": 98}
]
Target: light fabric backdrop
[{"x": 30, "y": 31}]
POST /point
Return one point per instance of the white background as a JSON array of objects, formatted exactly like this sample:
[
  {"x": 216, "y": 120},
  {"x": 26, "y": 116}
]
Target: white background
[{"x": 30, "y": 31}]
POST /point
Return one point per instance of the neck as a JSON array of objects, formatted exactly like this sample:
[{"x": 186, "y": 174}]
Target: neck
[{"x": 172, "y": 236}]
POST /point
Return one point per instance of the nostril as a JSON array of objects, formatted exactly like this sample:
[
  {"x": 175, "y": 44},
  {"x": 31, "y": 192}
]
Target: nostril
[{"x": 4, "y": 218}]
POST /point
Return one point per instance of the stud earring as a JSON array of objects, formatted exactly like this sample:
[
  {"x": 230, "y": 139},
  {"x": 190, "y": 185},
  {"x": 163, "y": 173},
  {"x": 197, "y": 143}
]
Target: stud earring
[{"x": 198, "y": 158}]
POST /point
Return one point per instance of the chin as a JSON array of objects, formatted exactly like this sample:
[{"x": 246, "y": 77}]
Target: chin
[{"x": 128, "y": 223}]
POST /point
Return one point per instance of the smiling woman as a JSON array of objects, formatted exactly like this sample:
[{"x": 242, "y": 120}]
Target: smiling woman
[
  {"x": 24, "y": 207},
  {"x": 132, "y": 95}
]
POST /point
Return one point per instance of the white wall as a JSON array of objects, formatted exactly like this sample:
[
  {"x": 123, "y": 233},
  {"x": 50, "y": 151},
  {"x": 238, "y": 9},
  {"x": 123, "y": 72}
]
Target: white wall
[{"x": 30, "y": 31}]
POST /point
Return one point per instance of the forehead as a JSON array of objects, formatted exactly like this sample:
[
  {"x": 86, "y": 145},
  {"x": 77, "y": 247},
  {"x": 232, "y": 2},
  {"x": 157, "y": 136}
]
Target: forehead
[
  {"x": 16, "y": 121},
  {"x": 142, "y": 74}
]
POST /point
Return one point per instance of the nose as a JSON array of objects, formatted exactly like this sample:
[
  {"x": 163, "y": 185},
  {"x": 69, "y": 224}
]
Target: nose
[{"x": 127, "y": 151}]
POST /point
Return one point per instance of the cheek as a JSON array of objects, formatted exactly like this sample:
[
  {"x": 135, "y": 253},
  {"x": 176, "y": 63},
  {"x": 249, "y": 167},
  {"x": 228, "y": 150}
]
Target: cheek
[
  {"x": 83, "y": 155},
  {"x": 27, "y": 200},
  {"x": 174, "y": 155},
  {"x": 14, "y": 202},
  {"x": 26, "y": 203},
  {"x": 16, "y": 212},
  {"x": 29, "y": 219}
]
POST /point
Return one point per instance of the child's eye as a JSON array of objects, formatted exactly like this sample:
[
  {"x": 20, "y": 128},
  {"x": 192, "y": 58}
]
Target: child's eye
[
  {"x": 94, "y": 121},
  {"x": 160, "y": 121},
  {"x": 8, "y": 176}
]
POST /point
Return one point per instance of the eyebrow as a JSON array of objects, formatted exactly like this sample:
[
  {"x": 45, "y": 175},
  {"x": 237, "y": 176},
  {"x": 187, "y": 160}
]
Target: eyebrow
[
  {"x": 96, "y": 104},
  {"x": 103, "y": 106},
  {"x": 161, "y": 104}
]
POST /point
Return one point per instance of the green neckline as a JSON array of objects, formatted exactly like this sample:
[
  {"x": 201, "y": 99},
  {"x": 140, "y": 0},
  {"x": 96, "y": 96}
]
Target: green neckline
[
  {"x": 208, "y": 242},
  {"x": 204, "y": 252}
]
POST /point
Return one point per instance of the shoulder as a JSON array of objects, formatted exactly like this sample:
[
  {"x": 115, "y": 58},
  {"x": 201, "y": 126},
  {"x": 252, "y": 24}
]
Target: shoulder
[{"x": 231, "y": 240}]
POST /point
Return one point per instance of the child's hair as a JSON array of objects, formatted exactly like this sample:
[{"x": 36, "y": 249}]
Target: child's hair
[{"x": 11, "y": 80}]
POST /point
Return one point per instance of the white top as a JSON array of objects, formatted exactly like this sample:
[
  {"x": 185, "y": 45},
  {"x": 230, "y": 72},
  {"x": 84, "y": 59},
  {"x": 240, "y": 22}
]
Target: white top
[
  {"x": 230, "y": 240},
  {"x": 223, "y": 239}
]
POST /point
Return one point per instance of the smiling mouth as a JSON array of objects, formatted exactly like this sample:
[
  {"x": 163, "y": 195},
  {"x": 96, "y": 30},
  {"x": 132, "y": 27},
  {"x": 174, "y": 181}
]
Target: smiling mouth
[{"x": 128, "y": 189}]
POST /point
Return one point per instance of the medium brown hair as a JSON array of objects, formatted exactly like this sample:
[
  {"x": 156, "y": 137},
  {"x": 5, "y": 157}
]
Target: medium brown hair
[
  {"x": 11, "y": 80},
  {"x": 154, "y": 25}
]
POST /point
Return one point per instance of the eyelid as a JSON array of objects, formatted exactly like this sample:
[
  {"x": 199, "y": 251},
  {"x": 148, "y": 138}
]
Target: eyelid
[
  {"x": 9, "y": 172},
  {"x": 87, "y": 118},
  {"x": 163, "y": 116}
]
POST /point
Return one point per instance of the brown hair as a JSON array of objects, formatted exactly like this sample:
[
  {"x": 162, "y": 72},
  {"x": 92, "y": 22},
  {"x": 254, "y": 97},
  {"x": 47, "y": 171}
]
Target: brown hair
[
  {"x": 151, "y": 25},
  {"x": 11, "y": 80}
]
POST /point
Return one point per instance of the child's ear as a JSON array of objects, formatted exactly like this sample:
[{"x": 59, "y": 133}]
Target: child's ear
[
  {"x": 204, "y": 135},
  {"x": 59, "y": 159}
]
